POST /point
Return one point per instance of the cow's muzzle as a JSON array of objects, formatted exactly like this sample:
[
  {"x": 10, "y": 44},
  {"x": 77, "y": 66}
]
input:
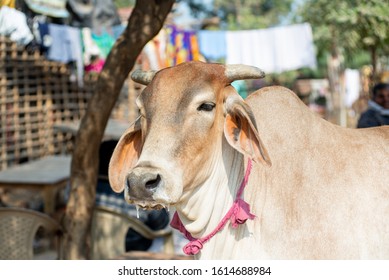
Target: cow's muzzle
[{"x": 142, "y": 182}]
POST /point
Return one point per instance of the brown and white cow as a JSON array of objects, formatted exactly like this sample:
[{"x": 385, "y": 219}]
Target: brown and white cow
[{"x": 318, "y": 191}]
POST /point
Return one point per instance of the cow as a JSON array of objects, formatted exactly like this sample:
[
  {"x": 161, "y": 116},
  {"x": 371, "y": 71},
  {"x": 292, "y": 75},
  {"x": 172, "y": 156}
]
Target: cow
[{"x": 306, "y": 188}]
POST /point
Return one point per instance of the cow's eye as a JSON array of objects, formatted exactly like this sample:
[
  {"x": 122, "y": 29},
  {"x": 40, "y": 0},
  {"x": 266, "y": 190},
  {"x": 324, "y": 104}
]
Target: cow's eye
[{"x": 206, "y": 107}]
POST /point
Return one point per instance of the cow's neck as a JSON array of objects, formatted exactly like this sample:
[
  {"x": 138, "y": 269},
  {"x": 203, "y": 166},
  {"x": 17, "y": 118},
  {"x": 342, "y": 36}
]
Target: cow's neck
[{"x": 203, "y": 210}]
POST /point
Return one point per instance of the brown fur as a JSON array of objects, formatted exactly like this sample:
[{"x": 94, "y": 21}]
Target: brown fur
[{"x": 319, "y": 191}]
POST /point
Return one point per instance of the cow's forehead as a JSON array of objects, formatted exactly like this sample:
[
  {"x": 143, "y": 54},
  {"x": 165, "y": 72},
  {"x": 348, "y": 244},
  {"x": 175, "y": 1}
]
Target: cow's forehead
[
  {"x": 185, "y": 80},
  {"x": 195, "y": 69}
]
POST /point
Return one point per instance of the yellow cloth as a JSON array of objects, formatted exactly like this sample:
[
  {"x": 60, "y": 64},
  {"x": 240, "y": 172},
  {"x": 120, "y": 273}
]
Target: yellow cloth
[{"x": 9, "y": 3}]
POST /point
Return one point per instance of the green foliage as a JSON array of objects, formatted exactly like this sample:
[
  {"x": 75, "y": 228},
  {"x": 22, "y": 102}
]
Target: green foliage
[
  {"x": 198, "y": 8},
  {"x": 124, "y": 3},
  {"x": 243, "y": 14},
  {"x": 251, "y": 14},
  {"x": 353, "y": 26}
]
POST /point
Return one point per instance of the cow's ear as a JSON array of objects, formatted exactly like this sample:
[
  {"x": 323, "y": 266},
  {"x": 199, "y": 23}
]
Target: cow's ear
[
  {"x": 125, "y": 156},
  {"x": 241, "y": 132}
]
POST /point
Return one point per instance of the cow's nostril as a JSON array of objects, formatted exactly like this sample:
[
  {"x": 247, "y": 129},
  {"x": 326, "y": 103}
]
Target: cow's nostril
[
  {"x": 152, "y": 184},
  {"x": 141, "y": 183}
]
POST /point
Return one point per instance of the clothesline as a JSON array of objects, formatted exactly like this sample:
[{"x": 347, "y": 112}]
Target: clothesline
[{"x": 274, "y": 49}]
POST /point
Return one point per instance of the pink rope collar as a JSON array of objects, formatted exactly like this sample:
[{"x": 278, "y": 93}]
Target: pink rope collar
[{"x": 238, "y": 214}]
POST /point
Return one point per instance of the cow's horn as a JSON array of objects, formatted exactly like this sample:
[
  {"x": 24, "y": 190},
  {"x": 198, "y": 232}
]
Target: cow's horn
[
  {"x": 243, "y": 72},
  {"x": 143, "y": 77}
]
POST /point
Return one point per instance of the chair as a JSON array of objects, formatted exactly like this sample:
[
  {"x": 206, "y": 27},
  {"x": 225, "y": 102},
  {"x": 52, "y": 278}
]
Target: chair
[
  {"x": 18, "y": 228},
  {"x": 109, "y": 230}
]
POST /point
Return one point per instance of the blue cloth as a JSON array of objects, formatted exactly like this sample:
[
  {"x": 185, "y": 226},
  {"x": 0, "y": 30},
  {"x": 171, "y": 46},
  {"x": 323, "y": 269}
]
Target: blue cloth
[
  {"x": 375, "y": 115},
  {"x": 117, "y": 30},
  {"x": 62, "y": 47},
  {"x": 212, "y": 44},
  {"x": 66, "y": 47},
  {"x": 45, "y": 39}
]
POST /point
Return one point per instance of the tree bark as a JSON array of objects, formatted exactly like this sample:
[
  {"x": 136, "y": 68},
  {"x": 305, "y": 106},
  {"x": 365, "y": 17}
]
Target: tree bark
[
  {"x": 373, "y": 57},
  {"x": 144, "y": 23},
  {"x": 334, "y": 72}
]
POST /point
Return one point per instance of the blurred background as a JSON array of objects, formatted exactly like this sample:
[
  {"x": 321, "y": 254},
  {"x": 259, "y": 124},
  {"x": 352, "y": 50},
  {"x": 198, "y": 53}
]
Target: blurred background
[{"x": 329, "y": 53}]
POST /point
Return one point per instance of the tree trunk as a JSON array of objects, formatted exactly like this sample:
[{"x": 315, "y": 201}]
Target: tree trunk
[
  {"x": 334, "y": 71},
  {"x": 144, "y": 23},
  {"x": 373, "y": 58},
  {"x": 238, "y": 8}
]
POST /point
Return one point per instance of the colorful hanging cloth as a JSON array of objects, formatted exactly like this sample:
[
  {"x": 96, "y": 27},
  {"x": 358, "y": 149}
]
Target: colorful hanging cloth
[{"x": 182, "y": 46}]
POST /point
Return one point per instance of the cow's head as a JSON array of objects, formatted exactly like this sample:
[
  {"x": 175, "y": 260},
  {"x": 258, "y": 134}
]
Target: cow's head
[{"x": 185, "y": 112}]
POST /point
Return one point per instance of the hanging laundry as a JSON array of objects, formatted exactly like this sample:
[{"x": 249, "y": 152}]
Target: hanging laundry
[
  {"x": 352, "y": 86},
  {"x": 170, "y": 46},
  {"x": 251, "y": 47},
  {"x": 181, "y": 46},
  {"x": 212, "y": 44},
  {"x": 274, "y": 50},
  {"x": 153, "y": 56},
  {"x": 194, "y": 47},
  {"x": 95, "y": 65},
  {"x": 44, "y": 38},
  {"x": 117, "y": 30},
  {"x": 90, "y": 47},
  {"x": 294, "y": 47},
  {"x": 76, "y": 43},
  {"x": 52, "y": 8},
  {"x": 92, "y": 55},
  {"x": 103, "y": 40},
  {"x": 9, "y": 3},
  {"x": 13, "y": 24},
  {"x": 61, "y": 48},
  {"x": 66, "y": 47},
  {"x": 151, "y": 53}
]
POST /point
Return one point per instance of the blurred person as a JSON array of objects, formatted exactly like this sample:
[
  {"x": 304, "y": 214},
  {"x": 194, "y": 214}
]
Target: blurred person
[{"x": 377, "y": 113}]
